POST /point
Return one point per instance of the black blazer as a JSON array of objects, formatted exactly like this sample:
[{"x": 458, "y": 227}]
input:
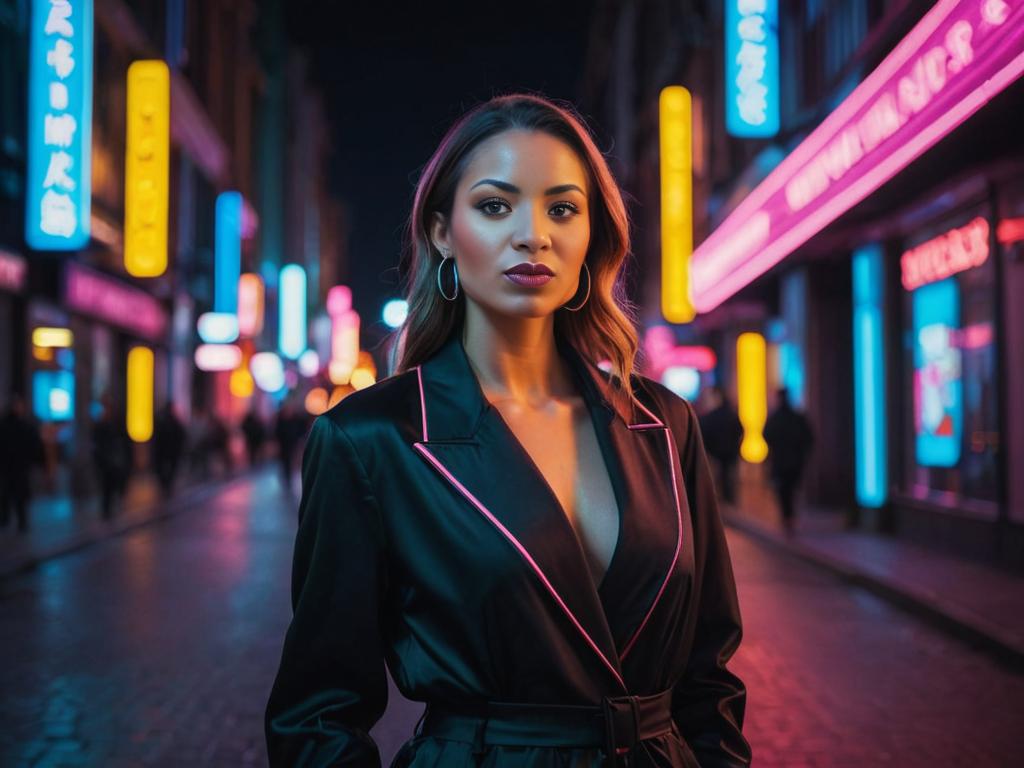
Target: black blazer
[{"x": 429, "y": 540}]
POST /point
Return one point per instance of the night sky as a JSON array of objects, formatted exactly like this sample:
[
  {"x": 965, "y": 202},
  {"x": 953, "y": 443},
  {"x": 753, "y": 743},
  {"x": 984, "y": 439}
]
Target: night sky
[{"x": 395, "y": 75}]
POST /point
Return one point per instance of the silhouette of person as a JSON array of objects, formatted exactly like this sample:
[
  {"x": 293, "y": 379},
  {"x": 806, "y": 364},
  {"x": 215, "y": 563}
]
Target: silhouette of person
[
  {"x": 723, "y": 433},
  {"x": 112, "y": 457},
  {"x": 168, "y": 446},
  {"x": 789, "y": 437},
  {"x": 20, "y": 448},
  {"x": 255, "y": 433}
]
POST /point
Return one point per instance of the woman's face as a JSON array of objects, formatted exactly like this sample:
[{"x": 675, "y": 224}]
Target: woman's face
[{"x": 522, "y": 199}]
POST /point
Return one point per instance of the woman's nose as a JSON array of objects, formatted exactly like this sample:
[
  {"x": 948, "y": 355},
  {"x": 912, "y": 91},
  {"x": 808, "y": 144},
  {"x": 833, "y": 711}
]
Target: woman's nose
[{"x": 531, "y": 232}]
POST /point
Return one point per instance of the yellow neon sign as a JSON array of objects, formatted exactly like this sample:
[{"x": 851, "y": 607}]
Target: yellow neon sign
[
  {"x": 140, "y": 394},
  {"x": 676, "y": 146},
  {"x": 752, "y": 383},
  {"x": 147, "y": 152},
  {"x": 52, "y": 337}
]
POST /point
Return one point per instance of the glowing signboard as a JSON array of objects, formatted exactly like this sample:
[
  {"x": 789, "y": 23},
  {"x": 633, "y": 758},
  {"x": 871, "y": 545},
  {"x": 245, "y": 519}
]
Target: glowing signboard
[
  {"x": 58, "y": 178},
  {"x": 97, "y": 295},
  {"x": 675, "y": 128},
  {"x": 53, "y": 395},
  {"x": 13, "y": 270},
  {"x": 938, "y": 392},
  {"x": 139, "y": 403},
  {"x": 869, "y": 378},
  {"x": 250, "y": 304},
  {"x": 945, "y": 255},
  {"x": 227, "y": 252},
  {"x": 147, "y": 153},
  {"x": 960, "y": 55},
  {"x": 752, "y": 387},
  {"x": 752, "y": 68},
  {"x": 292, "y": 305}
]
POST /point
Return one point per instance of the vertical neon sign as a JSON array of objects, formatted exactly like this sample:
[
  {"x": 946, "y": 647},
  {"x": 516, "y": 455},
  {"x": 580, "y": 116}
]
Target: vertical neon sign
[
  {"x": 752, "y": 68},
  {"x": 58, "y": 180},
  {"x": 752, "y": 386},
  {"x": 227, "y": 252},
  {"x": 869, "y": 409},
  {"x": 147, "y": 156},
  {"x": 292, "y": 305},
  {"x": 675, "y": 118}
]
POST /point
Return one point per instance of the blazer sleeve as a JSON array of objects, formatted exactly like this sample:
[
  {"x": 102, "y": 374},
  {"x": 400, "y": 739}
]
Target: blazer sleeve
[
  {"x": 331, "y": 685},
  {"x": 708, "y": 701}
]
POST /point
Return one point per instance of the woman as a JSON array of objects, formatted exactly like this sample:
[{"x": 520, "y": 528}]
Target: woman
[{"x": 529, "y": 543}]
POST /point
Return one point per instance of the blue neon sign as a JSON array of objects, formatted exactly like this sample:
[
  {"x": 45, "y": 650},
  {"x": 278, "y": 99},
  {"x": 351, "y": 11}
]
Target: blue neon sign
[
  {"x": 752, "y": 68},
  {"x": 938, "y": 389},
  {"x": 292, "y": 306},
  {"x": 58, "y": 190},
  {"x": 53, "y": 395},
  {"x": 869, "y": 408},
  {"x": 227, "y": 252}
]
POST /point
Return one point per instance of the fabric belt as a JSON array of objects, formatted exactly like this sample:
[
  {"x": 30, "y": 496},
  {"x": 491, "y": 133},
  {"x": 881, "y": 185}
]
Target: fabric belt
[{"x": 616, "y": 725}]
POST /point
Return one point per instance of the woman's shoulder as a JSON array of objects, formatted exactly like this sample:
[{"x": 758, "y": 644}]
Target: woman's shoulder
[
  {"x": 677, "y": 412},
  {"x": 381, "y": 404}
]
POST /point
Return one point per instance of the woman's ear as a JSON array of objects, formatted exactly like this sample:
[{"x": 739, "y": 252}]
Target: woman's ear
[{"x": 439, "y": 232}]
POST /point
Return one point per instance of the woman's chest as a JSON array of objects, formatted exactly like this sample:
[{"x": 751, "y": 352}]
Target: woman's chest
[{"x": 563, "y": 448}]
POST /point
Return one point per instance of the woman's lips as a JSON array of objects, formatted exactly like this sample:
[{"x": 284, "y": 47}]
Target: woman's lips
[{"x": 531, "y": 280}]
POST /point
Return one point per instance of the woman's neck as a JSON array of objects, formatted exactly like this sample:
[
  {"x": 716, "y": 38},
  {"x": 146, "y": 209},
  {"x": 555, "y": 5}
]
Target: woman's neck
[{"x": 516, "y": 358}]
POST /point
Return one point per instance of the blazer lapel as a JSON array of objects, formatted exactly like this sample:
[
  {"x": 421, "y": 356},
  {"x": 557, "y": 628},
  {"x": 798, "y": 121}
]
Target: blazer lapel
[{"x": 465, "y": 439}]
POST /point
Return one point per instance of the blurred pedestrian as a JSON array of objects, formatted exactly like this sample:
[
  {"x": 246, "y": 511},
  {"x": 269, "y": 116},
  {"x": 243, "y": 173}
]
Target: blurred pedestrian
[
  {"x": 198, "y": 444},
  {"x": 289, "y": 429},
  {"x": 789, "y": 437},
  {"x": 20, "y": 448},
  {"x": 220, "y": 443},
  {"x": 168, "y": 447},
  {"x": 255, "y": 433},
  {"x": 112, "y": 456},
  {"x": 722, "y": 431}
]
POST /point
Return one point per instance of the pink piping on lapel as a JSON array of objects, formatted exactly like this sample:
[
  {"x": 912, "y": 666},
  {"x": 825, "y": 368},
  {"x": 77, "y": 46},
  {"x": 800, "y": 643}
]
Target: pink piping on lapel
[
  {"x": 506, "y": 533},
  {"x": 679, "y": 529},
  {"x": 656, "y": 423},
  {"x": 423, "y": 402},
  {"x": 522, "y": 551}
]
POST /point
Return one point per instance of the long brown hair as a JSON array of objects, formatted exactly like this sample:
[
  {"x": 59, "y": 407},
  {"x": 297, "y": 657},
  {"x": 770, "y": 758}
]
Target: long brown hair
[{"x": 605, "y": 328}]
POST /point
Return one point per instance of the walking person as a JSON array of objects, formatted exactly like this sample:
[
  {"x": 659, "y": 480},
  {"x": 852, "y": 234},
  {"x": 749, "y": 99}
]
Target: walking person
[
  {"x": 531, "y": 544},
  {"x": 20, "y": 448},
  {"x": 112, "y": 456},
  {"x": 789, "y": 437},
  {"x": 255, "y": 433},
  {"x": 723, "y": 434},
  {"x": 168, "y": 447}
]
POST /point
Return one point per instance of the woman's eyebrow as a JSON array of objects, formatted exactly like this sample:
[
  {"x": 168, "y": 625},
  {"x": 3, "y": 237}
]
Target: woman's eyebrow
[{"x": 513, "y": 189}]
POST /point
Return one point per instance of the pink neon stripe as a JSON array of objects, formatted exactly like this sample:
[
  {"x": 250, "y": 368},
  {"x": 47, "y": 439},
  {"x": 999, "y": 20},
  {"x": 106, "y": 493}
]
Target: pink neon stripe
[
  {"x": 522, "y": 551},
  {"x": 825, "y": 132},
  {"x": 858, "y": 190},
  {"x": 423, "y": 402},
  {"x": 656, "y": 423},
  {"x": 675, "y": 557}
]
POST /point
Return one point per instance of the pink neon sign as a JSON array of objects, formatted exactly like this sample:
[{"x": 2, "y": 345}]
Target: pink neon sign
[
  {"x": 960, "y": 55},
  {"x": 13, "y": 269},
  {"x": 92, "y": 293},
  {"x": 945, "y": 255}
]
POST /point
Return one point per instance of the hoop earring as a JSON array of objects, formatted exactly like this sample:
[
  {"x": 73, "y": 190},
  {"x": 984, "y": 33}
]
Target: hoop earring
[
  {"x": 578, "y": 308},
  {"x": 455, "y": 267}
]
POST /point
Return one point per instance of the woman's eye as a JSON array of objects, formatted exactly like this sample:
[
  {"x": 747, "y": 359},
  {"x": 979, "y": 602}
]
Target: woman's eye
[
  {"x": 565, "y": 207},
  {"x": 492, "y": 207}
]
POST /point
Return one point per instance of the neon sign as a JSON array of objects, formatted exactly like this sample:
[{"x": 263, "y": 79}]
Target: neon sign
[
  {"x": 123, "y": 305},
  {"x": 960, "y": 55},
  {"x": 58, "y": 194},
  {"x": 938, "y": 390},
  {"x": 674, "y": 106},
  {"x": 752, "y": 68},
  {"x": 944, "y": 256}
]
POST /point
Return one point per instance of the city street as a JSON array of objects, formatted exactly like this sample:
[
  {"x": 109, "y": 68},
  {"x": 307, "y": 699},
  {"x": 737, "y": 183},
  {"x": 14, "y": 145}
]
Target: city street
[{"x": 158, "y": 648}]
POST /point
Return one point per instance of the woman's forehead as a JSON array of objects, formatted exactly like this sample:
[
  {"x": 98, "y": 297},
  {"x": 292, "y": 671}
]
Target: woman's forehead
[{"x": 531, "y": 160}]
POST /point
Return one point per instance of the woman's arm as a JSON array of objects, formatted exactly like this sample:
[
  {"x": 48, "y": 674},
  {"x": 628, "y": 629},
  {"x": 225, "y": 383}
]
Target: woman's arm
[
  {"x": 331, "y": 685},
  {"x": 709, "y": 700}
]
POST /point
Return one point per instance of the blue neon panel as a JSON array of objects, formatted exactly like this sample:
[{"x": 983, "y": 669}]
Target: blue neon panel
[
  {"x": 869, "y": 378},
  {"x": 752, "y": 59},
  {"x": 227, "y": 252},
  {"x": 938, "y": 387},
  {"x": 58, "y": 179},
  {"x": 292, "y": 319},
  {"x": 53, "y": 395}
]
